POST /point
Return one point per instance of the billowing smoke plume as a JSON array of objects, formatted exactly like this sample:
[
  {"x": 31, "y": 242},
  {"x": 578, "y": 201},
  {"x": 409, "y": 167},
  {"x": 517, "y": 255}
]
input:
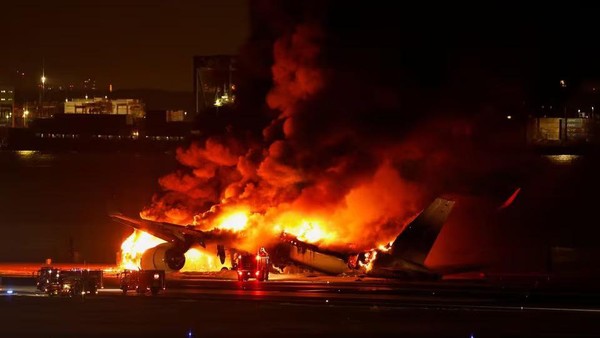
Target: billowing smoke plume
[{"x": 348, "y": 150}]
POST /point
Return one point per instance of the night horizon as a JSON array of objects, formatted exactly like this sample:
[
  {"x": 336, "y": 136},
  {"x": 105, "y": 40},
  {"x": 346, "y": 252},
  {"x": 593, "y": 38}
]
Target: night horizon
[
  {"x": 339, "y": 169},
  {"x": 137, "y": 45}
]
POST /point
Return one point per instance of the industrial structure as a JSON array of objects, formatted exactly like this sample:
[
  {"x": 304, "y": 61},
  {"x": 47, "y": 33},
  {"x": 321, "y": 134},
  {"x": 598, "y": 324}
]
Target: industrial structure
[
  {"x": 214, "y": 81},
  {"x": 561, "y": 131},
  {"x": 96, "y": 105},
  {"x": 7, "y": 105}
]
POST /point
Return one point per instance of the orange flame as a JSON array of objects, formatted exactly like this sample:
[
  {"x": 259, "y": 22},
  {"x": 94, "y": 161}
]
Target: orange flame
[
  {"x": 385, "y": 247},
  {"x": 307, "y": 229},
  {"x": 236, "y": 221},
  {"x": 134, "y": 247},
  {"x": 198, "y": 259},
  {"x": 370, "y": 257},
  {"x": 310, "y": 231}
]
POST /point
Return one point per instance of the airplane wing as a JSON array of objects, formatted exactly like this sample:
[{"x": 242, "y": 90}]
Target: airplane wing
[{"x": 165, "y": 231}]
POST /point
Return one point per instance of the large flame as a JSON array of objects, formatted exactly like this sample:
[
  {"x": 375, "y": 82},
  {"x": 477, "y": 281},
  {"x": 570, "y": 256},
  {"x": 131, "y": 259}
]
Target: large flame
[
  {"x": 134, "y": 247},
  {"x": 307, "y": 231},
  {"x": 199, "y": 259},
  {"x": 196, "y": 259},
  {"x": 236, "y": 221}
]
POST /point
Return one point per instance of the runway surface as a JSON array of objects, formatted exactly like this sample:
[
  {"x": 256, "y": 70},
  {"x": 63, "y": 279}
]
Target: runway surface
[{"x": 217, "y": 306}]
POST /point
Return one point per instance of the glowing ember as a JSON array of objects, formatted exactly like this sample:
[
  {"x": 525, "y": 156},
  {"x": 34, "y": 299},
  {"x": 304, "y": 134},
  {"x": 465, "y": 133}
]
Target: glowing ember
[
  {"x": 133, "y": 248},
  {"x": 235, "y": 222},
  {"x": 369, "y": 259},
  {"x": 385, "y": 247}
]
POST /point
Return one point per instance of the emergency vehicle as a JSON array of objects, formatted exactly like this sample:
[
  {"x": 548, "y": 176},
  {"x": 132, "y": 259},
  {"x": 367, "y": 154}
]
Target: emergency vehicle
[
  {"x": 142, "y": 281},
  {"x": 69, "y": 282},
  {"x": 251, "y": 266}
]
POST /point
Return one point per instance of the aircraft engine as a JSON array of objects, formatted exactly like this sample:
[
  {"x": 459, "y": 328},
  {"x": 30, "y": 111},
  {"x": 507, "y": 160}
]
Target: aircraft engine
[{"x": 163, "y": 257}]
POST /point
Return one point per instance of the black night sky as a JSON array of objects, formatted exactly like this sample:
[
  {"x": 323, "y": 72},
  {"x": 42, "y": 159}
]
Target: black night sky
[
  {"x": 131, "y": 44},
  {"x": 149, "y": 44}
]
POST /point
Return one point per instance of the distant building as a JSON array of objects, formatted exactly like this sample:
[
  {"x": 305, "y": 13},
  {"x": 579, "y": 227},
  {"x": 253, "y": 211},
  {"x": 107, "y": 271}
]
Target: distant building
[
  {"x": 548, "y": 131},
  {"x": 165, "y": 124},
  {"x": 7, "y": 104},
  {"x": 176, "y": 115},
  {"x": 214, "y": 81},
  {"x": 132, "y": 107}
]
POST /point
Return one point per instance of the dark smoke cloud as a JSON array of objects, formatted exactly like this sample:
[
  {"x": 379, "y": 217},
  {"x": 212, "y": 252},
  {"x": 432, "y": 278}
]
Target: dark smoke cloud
[{"x": 353, "y": 124}]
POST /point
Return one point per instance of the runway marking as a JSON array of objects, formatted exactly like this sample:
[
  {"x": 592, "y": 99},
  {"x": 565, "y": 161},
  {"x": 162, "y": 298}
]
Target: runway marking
[
  {"x": 516, "y": 308},
  {"x": 561, "y": 309}
]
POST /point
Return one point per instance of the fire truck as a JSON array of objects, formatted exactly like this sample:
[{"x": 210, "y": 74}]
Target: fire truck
[
  {"x": 69, "y": 282},
  {"x": 142, "y": 281},
  {"x": 251, "y": 266},
  {"x": 43, "y": 277}
]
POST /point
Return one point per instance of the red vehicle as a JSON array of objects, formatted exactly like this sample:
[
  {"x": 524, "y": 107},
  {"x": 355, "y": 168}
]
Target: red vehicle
[
  {"x": 251, "y": 266},
  {"x": 143, "y": 281}
]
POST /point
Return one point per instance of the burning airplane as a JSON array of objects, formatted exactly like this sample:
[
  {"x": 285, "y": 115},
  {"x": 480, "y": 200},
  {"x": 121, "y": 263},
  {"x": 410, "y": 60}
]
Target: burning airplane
[
  {"x": 403, "y": 258},
  {"x": 340, "y": 167}
]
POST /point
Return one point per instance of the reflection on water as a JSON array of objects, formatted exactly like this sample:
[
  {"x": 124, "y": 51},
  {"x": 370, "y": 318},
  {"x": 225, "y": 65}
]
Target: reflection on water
[
  {"x": 55, "y": 205},
  {"x": 26, "y": 153},
  {"x": 563, "y": 159},
  {"x": 30, "y": 158}
]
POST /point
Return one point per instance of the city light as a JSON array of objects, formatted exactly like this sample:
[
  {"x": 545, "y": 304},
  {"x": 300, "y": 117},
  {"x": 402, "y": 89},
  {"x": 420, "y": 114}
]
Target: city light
[
  {"x": 25, "y": 113},
  {"x": 43, "y": 79}
]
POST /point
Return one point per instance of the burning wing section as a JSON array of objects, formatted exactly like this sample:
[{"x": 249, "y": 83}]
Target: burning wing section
[
  {"x": 167, "y": 256},
  {"x": 173, "y": 233}
]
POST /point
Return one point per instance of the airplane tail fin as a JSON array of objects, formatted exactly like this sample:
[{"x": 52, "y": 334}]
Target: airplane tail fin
[
  {"x": 417, "y": 238},
  {"x": 510, "y": 199}
]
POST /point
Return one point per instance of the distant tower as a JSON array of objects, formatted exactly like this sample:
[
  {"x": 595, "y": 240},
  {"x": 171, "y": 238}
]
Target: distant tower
[
  {"x": 43, "y": 87},
  {"x": 214, "y": 81}
]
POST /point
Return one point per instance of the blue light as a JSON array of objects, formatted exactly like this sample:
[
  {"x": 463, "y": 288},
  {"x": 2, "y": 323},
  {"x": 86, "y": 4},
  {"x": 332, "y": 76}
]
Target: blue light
[
  {"x": 9, "y": 292},
  {"x": 190, "y": 333}
]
